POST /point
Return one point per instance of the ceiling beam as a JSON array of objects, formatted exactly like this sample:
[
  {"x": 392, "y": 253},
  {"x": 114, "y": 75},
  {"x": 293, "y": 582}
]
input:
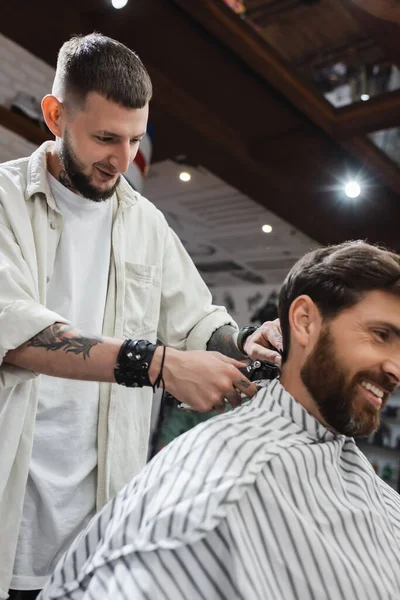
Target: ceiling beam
[
  {"x": 387, "y": 10},
  {"x": 220, "y": 20},
  {"x": 212, "y": 106},
  {"x": 380, "y": 112},
  {"x": 362, "y": 49},
  {"x": 380, "y": 19}
]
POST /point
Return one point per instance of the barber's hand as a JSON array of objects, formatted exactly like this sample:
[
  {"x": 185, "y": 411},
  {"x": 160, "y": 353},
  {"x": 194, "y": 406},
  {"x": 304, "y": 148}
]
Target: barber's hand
[
  {"x": 203, "y": 380},
  {"x": 263, "y": 343}
]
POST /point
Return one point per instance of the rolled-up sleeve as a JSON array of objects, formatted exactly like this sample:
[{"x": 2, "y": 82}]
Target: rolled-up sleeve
[
  {"x": 188, "y": 317},
  {"x": 21, "y": 315}
]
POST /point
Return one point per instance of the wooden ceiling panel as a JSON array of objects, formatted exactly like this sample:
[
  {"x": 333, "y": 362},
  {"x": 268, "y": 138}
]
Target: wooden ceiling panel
[
  {"x": 232, "y": 107},
  {"x": 380, "y": 19},
  {"x": 298, "y": 31}
]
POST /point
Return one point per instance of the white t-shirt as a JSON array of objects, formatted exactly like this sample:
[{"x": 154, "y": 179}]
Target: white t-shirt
[{"x": 61, "y": 489}]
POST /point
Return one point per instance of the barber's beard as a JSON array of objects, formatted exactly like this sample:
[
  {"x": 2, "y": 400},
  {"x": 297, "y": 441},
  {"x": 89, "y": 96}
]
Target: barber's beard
[
  {"x": 73, "y": 176},
  {"x": 335, "y": 391}
]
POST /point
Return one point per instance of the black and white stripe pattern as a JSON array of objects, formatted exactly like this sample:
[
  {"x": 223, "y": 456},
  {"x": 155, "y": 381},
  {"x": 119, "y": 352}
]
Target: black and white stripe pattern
[{"x": 262, "y": 503}]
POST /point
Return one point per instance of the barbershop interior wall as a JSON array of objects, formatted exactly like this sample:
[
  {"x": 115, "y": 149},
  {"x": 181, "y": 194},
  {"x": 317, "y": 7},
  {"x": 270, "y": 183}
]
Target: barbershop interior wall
[
  {"x": 20, "y": 71},
  {"x": 388, "y": 453},
  {"x": 248, "y": 304}
]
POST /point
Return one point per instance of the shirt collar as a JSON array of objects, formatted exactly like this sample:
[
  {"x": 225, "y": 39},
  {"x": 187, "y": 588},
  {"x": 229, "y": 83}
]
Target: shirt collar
[
  {"x": 276, "y": 399},
  {"x": 37, "y": 181}
]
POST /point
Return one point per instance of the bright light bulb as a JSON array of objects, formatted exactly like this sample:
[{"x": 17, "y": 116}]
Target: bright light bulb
[
  {"x": 119, "y": 3},
  {"x": 365, "y": 97},
  {"x": 267, "y": 228},
  {"x": 352, "y": 189},
  {"x": 184, "y": 176}
]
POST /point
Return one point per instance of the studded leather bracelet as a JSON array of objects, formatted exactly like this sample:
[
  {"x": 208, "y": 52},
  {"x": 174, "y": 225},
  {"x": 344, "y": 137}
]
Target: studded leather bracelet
[{"x": 133, "y": 362}]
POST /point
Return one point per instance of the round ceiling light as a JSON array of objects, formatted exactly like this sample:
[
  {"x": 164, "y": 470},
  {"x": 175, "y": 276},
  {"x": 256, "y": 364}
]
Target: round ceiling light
[
  {"x": 185, "y": 176},
  {"x": 352, "y": 189},
  {"x": 119, "y": 3},
  {"x": 267, "y": 228}
]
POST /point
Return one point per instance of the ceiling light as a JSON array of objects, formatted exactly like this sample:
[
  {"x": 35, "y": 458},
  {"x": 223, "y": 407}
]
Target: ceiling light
[
  {"x": 119, "y": 3},
  {"x": 352, "y": 189},
  {"x": 185, "y": 176},
  {"x": 267, "y": 228},
  {"x": 365, "y": 97}
]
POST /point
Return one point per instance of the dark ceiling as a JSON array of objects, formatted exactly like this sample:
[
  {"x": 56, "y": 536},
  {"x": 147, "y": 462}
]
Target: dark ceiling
[{"x": 231, "y": 100}]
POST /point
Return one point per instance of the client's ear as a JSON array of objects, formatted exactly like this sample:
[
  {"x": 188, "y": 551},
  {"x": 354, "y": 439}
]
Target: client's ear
[{"x": 305, "y": 321}]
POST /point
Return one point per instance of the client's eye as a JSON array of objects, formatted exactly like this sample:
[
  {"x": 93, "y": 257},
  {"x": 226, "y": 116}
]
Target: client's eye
[{"x": 382, "y": 334}]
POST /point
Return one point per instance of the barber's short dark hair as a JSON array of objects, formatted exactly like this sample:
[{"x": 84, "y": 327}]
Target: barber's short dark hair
[
  {"x": 336, "y": 278},
  {"x": 96, "y": 63}
]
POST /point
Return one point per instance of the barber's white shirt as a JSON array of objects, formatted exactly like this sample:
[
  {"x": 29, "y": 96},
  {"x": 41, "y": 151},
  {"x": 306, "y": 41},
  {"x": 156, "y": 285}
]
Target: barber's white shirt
[
  {"x": 154, "y": 292},
  {"x": 61, "y": 492},
  {"x": 261, "y": 503}
]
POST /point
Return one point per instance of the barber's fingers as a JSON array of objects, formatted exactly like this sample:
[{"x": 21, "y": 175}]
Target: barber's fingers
[
  {"x": 220, "y": 407},
  {"x": 234, "y": 398},
  {"x": 258, "y": 352},
  {"x": 245, "y": 386},
  {"x": 235, "y": 379},
  {"x": 239, "y": 364},
  {"x": 209, "y": 377},
  {"x": 272, "y": 333},
  {"x": 265, "y": 343}
]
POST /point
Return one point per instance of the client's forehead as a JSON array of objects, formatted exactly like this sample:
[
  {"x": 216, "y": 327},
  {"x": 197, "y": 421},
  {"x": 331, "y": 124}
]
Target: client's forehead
[{"x": 375, "y": 307}]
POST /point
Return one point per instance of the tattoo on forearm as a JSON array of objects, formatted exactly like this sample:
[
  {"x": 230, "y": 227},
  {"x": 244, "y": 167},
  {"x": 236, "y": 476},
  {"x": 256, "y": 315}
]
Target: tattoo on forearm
[
  {"x": 59, "y": 337},
  {"x": 222, "y": 340}
]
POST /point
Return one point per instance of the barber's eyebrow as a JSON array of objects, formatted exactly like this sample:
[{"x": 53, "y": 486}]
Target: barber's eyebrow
[{"x": 105, "y": 133}]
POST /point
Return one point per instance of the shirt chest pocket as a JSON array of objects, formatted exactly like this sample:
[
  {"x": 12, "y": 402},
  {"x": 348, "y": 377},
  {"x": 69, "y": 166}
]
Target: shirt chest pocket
[{"x": 141, "y": 301}]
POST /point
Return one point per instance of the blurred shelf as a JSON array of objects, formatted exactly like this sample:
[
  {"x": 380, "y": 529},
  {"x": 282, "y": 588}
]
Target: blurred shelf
[{"x": 23, "y": 127}]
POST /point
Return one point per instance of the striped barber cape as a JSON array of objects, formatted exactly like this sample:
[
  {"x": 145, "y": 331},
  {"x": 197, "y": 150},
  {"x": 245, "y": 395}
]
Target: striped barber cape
[{"x": 262, "y": 503}]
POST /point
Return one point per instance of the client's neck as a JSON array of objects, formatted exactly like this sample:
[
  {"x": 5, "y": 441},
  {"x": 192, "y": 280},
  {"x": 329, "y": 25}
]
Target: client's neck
[{"x": 292, "y": 382}]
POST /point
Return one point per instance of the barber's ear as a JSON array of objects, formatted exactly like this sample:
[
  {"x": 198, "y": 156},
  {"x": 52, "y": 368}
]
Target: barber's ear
[
  {"x": 305, "y": 320},
  {"x": 53, "y": 111}
]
